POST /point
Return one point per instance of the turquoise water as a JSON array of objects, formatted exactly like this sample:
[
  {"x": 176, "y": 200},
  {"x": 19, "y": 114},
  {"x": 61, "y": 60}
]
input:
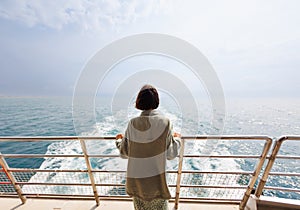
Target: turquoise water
[{"x": 53, "y": 117}]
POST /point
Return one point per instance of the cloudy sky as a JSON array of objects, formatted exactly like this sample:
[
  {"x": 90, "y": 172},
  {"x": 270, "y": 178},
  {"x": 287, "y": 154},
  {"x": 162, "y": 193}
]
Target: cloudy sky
[{"x": 254, "y": 46}]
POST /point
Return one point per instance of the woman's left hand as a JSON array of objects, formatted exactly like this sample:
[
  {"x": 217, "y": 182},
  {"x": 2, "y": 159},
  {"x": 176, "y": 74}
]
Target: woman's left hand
[{"x": 176, "y": 134}]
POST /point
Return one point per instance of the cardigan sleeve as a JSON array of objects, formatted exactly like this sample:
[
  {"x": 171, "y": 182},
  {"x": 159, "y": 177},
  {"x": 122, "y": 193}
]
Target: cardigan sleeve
[
  {"x": 173, "y": 145},
  {"x": 122, "y": 145}
]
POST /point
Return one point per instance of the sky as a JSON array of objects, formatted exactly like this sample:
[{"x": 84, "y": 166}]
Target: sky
[{"x": 253, "y": 45}]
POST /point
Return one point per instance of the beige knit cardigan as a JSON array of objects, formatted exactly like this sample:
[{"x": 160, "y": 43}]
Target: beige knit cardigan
[{"x": 147, "y": 144}]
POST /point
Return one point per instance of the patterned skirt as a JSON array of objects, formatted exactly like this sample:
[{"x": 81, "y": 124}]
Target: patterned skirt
[{"x": 156, "y": 204}]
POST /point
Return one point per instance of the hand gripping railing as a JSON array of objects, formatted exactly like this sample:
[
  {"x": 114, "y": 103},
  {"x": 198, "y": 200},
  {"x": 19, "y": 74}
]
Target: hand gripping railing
[
  {"x": 97, "y": 185},
  {"x": 267, "y": 172}
]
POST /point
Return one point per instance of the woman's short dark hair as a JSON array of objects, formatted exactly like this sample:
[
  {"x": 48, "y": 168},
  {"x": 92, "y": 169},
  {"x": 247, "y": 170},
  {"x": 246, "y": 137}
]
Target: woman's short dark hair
[{"x": 147, "y": 98}]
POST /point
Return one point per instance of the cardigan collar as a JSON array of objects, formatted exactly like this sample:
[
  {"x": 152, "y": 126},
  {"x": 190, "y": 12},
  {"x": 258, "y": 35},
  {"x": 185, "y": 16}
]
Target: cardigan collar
[{"x": 151, "y": 112}]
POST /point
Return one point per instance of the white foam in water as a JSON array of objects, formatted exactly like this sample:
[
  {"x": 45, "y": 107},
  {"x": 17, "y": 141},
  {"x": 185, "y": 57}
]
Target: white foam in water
[{"x": 58, "y": 148}]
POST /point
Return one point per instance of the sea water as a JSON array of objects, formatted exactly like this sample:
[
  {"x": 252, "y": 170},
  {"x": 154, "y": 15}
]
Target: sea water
[{"x": 52, "y": 116}]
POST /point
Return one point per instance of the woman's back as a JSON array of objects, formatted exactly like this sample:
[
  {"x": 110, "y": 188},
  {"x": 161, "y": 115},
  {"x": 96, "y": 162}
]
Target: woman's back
[{"x": 148, "y": 142}]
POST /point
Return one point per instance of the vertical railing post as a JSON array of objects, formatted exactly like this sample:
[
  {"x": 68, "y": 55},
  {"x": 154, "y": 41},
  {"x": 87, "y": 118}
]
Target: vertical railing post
[
  {"x": 12, "y": 179},
  {"x": 269, "y": 166},
  {"x": 179, "y": 174},
  {"x": 255, "y": 175},
  {"x": 89, "y": 168}
]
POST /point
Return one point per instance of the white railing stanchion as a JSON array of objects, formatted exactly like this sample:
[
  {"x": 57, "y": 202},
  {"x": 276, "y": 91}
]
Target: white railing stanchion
[
  {"x": 267, "y": 172},
  {"x": 180, "y": 162},
  {"x": 89, "y": 168},
  {"x": 12, "y": 179}
]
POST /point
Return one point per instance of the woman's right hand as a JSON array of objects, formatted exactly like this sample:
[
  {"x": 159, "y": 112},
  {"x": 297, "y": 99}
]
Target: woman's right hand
[{"x": 119, "y": 136}]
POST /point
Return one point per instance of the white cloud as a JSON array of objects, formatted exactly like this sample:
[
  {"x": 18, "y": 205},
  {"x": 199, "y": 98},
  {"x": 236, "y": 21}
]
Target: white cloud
[
  {"x": 234, "y": 25},
  {"x": 89, "y": 15}
]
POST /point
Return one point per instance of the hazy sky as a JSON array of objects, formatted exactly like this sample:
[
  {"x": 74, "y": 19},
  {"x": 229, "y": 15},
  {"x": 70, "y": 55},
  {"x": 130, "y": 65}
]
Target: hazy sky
[{"x": 254, "y": 46}]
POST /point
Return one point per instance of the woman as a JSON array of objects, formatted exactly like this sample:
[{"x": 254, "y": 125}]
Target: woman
[{"x": 147, "y": 143}]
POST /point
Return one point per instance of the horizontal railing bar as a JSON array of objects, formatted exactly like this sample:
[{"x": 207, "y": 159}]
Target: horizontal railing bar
[
  {"x": 220, "y": 202},
  {"x": 221, "y": 156},
  {"x": 47, "y": 170},
  {"x": 287, "y": 157},
  {"x": 56, "y": 155},
  {"x": 83, "y": 197},
  {"x": 122, "y": 197},
  {"x": 6, "y": 183},
  {"x": 69, "y": 184},
  {"x": 118, "y": 197},
  {"x": 60, "y": 138},
  {"x": 116, "y": 184},
  {"x": 283, "y": 174},
  {"x": 79, "y": 197},
  {"x": 6, "y": 195},
  {"x": 123, "y": 171},
  {"x": 54, "y": 138},
  {"x": 115, "y": 156},
  {"x": 114, "y": 196},
  {"x": 68, "y": 196},
  {"x": 110, "y": 185},
  {"x": 110, "y": 171},
  {"x": 43, "y": 195},
  {"x": 210, "y": 199},
  {"x": 226, "y": 137},
  {"x": 39, "y": 156},
  {"x": 64, "y": 170},
  {"x": 104, "y": 156},
  {"x": 215, "y": 172},
  {"x": 122, "y": 185},
  {"x": 212, "y": 186},
  {"x": 244, "y": 156},
  {"x": 54, "y": 184},
  {"x": 281, "y": 189},
  {"x": 296, "y": 138}
]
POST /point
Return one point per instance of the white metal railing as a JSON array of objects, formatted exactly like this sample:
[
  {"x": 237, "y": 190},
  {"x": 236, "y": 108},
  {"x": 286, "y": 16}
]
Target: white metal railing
[{"x": 187, "y": 185}]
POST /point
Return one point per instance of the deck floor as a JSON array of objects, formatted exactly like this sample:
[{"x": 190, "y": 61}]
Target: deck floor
[{"x": 50, "y": 204}]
